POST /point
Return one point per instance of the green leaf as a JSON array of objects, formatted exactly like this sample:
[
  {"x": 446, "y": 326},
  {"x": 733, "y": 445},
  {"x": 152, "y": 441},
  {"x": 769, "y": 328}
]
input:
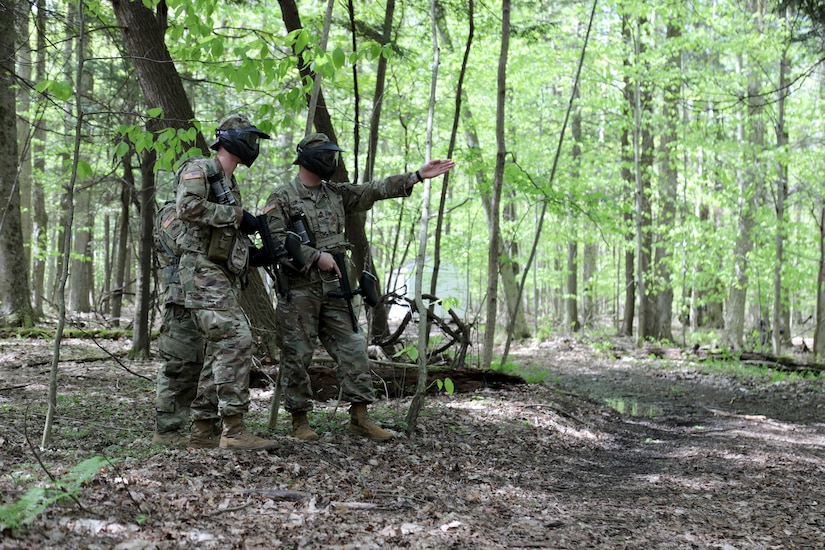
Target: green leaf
[
  {"x": 42, "y": 86},
  {"x": 62, "y": 91},
  {"x": 217, "y": 47},
  {"x": 84, "y": 169},
  {"x": 375, "y": 50},
  {"x": 301, "y": 41},
  {"x": 155, "y": 112},
  {"x": 339, "y": 57},
  {"x": 121, "y": 150}
]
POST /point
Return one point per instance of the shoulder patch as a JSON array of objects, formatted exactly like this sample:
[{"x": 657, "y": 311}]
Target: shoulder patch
[
  {"x": 192, "y": 175},
  {"x": 270, "y": 206},
  {"x": 169, "y": 219}
]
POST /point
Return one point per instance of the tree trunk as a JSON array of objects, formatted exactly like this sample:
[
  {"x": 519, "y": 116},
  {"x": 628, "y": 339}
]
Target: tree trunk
[
  {"x": 781, "y": 334},
  {"x": 141, "y": 329},
  {"x": 819, "y": 329},
  {"x": 40, "y": 218},
  {"x": 669, "y": 184},
  {"x": 74, "y": 18},
  {"x": 590, "y": 261},
  {"x": 24, "y": 128},
  {"x": 571, "y": 290},
  {"x": 509, "y": 283},
  {"x": 79, "y": 282},
  {"x": 379, "y": 314},
  {"x": 106, "y": 288},
  {"x": 571, "y": 298},
  {"x": 122, "y": 248},
  {"x": 80, "y": 274},
  {"x": 627, "y": 177},
  {"x": 643, "y": 163},
  {"x": 750, "y": 185},
  {"x": 143, "y": 39},
  {"x": 15, "y": 307},
  {"x": 494, "y": 250}
]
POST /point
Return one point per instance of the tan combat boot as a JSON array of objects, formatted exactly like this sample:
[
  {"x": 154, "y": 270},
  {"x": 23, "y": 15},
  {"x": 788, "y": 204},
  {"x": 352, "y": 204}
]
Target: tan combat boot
[
  {"x": 236, "y": 437},
  {"x": 360, "y": 423},
  {"x": 204, "y": 435},
  {"x": 169, "y": 439},
  {"x": 301, "y": 428}
]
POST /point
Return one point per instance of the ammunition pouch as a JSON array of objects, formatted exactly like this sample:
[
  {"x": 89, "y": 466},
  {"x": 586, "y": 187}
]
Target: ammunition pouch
[
  {"x": 238, "y": 259},
  {"x": 220, "y": 244}
]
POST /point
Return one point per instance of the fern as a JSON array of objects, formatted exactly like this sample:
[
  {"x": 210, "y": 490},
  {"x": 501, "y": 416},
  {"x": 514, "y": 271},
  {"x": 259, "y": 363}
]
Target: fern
[{"x": 21, "y": 513}]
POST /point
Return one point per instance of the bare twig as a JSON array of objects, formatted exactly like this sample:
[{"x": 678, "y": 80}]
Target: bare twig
[{"x": 113, "y": 356}]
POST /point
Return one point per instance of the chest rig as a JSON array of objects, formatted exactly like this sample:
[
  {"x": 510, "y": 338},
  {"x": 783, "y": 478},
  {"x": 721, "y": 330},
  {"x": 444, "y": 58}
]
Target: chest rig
[
  {"x": 322, "y": 212},
  {"x": 197, "y": 237}
]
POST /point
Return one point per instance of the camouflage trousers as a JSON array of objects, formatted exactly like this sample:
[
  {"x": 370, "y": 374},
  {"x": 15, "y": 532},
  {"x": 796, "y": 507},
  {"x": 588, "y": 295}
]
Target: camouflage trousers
[
  {"x": 181, "y": 347},
  {"x": 211, "y": 295},
  {"x": 223, "y": 387},
  {"x": 310, "y": 315}
]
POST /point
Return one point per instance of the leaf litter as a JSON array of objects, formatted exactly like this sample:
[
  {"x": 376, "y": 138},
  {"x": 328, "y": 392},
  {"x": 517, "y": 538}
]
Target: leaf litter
[{"x": 725, "y": 462}]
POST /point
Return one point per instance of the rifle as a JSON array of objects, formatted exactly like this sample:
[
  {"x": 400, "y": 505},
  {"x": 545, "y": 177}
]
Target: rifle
[
  {"x": 289, "y": 252},
  {"x": 366, "y": 288}
]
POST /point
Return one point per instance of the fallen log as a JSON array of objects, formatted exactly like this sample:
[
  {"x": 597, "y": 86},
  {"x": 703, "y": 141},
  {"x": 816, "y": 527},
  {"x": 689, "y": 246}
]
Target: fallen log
[
  {"x": 396, "y": 380},
  {"x": 786, "y": 363}
]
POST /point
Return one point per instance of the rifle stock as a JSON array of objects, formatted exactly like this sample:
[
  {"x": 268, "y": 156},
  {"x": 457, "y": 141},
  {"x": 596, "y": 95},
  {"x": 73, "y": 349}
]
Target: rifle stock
[
  {"x": 346, "y": 290},
  {"x": 367, "y": 288}
]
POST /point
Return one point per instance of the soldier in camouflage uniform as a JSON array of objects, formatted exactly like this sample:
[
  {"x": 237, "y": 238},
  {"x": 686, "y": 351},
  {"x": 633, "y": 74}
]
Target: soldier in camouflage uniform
[
  {"x": 308, "y": 312},
  {"x": 215, "y": 258},
  {"x": 180, "y": 343}
]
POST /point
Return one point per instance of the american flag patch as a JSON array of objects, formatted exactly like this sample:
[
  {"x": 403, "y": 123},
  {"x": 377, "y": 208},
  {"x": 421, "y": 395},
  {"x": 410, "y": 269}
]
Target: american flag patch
[
  {"x": 169, "y": 219},
  {"x": 269, "y": 206},
  {"x": 192, "y": 175}
]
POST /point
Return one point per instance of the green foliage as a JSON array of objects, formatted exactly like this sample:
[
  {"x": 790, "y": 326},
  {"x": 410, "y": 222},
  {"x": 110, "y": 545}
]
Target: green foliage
[
  {"x": 756, "y": 372},
  {"x": 238, "y": 57},
  {"x": 530, "y": 374},
  {"x": 446, "y": 385},
  {"x": 410, "y": 351},
  {"x": 22, "y": 512},
  {"x": 603, "y": 348}
]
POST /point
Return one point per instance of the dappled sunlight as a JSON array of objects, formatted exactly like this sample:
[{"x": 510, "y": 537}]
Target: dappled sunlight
[
  {"x": 540, "y": 416},
  {"x": 694, "y": 484},
  {"x": 801, "y": 438}
]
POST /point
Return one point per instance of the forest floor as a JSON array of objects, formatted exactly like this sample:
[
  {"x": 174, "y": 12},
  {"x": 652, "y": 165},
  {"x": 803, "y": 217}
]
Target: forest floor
[{"x": 696, "y": 458}]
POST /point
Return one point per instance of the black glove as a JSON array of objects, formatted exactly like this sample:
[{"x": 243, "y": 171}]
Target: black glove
[
  {"x": 258, "y": 257},
  {"x": 249, "y": 224}
]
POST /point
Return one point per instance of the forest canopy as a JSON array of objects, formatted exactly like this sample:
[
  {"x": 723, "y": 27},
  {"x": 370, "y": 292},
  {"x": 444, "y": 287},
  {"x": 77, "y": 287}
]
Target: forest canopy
[{"x": 650, "y": 168}]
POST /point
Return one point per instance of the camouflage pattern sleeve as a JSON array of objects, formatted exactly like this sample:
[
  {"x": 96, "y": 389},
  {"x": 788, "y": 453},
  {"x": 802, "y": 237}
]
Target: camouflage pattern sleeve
[
  {"x": 362, "y": 197},
  {"x": 192, "y": 199}
]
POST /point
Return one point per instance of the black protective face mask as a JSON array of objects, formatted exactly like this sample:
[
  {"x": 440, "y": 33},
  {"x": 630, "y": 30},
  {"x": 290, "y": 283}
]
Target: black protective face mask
[
  {"x": 241, "y": 142},
  {"x": 322, "y": 160}
]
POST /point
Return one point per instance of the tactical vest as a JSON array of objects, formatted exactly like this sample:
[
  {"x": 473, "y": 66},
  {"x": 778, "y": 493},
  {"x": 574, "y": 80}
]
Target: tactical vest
[
  {"x": 325, "y": 215},
  {"x": 196, "y": 237}
]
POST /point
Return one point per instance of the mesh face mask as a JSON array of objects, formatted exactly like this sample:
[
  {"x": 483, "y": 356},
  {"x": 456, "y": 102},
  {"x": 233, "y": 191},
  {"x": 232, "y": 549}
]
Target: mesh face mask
[
  {"x": 321, "y": 160},
  {"x": 241, "y": 142}
]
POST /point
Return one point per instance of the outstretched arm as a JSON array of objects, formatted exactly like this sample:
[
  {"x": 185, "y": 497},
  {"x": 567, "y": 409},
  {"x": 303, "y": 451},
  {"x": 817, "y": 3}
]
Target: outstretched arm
[{"x": 435, "y": 168}]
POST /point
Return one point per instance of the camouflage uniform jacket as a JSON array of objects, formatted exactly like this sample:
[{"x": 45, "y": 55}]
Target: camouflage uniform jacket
[
  {"x": 206, "y": 282},
  {"x": 325, "y": 209}
]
